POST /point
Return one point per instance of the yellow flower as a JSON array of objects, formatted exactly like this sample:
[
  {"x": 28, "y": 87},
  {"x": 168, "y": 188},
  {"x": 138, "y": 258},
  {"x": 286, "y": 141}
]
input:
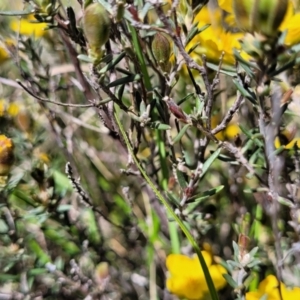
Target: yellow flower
[
  {"x": 290, "y": 22},
  {"x": 5, "y": 47},
  {"x": 289, "y": 145},
  {"x": 28, "y": 27},
  {"x": 13, "y": 109},
  {"x": 214, "y": 40},
  {"x": 229, "y": 133},
  {"x": 6, "y": 155},
  {"x": 269, "y": 288},
  {"x": 4, "y": 56},
  {"x": 186, "y": 277}
]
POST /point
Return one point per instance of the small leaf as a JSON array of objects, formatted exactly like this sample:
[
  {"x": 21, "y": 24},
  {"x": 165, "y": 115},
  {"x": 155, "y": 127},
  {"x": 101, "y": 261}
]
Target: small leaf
[
  {"x": 185, "y": 98},
  {"x": 209, "y": 161},
  {"x": 193, "y": 48},
  {"x": 85, "y": 58},
  {"x": 192, "y": 33},
  {"x": 286, "y": 202},
  {"x": 244, "y": 92},
  {"x": 172, "y": 199},
  {"x": 224, "y": 70},
  {"x": 148, "y": 6},
  {"x": 253, "y": 252},
  {"x": 126, "y": 72},
  {"x": 230, "y": 280},
  {"x": 226, "y": 158},
  {"x": 121, "y": 91},
  {"x": 205, "y": 195},
  {"x": 63, "y": 208},
  {"x": 181, "y": 180},
  {"x": 159, "y": 126},
  {"x": 288, "y": 65},
  {"x": 243, "y": 61},
  {"x": 195, "y": 31},
  {"x": 236, "y": 248},
  {"x": 111, "y": 64},
  {"x": 180, "y": 134},
  {"x": 37, "y": 271},
  {"x": 124, "y": 80}
]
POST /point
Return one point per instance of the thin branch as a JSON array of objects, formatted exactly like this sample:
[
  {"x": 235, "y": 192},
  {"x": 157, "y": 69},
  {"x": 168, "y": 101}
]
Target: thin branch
[
  {"x": 51, "y": 101},
  {"x": 230, "y": 113}
]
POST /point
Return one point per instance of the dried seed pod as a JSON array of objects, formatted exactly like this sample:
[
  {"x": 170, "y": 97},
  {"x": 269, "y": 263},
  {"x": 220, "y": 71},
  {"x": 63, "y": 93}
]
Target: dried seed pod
[
  {"x": 262, "y": 16},
  {"x": 96, "y": 27},
  {"x": 6, "y": 155},
  {"x": 162, "y": 50}
]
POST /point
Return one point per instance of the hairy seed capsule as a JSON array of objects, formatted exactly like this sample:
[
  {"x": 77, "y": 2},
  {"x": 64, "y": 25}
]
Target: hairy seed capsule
[
  {"x": 262, "y": 16},
  {"x": 96, "y": 26},
  {"x": 161, "y": 49}
]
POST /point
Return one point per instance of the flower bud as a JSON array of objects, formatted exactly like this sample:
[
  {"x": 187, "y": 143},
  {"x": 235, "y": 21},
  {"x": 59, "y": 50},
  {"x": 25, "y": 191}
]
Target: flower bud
[
  {"x": 96, "y": 26},
  {"x": 162, "y": 51},
  {"x": 262, "y": 16},
  {"x": 6, "y": 155}
]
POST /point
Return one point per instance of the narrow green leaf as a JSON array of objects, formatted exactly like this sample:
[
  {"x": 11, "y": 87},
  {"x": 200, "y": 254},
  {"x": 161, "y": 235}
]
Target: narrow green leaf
[
  {"x": 159, "y": 126},
  {"x": 172, "y": 199},
  {"x": 185, "y": 98},
  {"x": 9, "y": 277},
  {"x": 244, "y": 92},
  {"x": 121, "y": 70},
  {"x": 238, "y": 56},
  {"x": 112, "y": 63},
  {"x": 124, "y": 80},
  {"x": 209, "y": 161},
  {"x": 286, "y": 202},
  {"x": 141, "y": 57},
  {"x": 208, "y": 193},
  {"x": 230, "y": 280},
  {"x": 180, "y": 134},
  {"x": 64, "y": 208},
  {"x": 225, "y": 158},
  {"x": 121, "y": 91},
  {"x": 85, "y": 58},
  {"x": 253, "y": 252},
  {"x": 181, "y": 179},
  {"x": 192, "y": 33},
  {"x": 283, "y": 68},
  {"x": 193, "y": 48},
  {"x": 39, "y": 252},
  {"x": 205, "y": 195},
  {"x": 37, "y": 271},
  {"x": 227, "y": 70}
]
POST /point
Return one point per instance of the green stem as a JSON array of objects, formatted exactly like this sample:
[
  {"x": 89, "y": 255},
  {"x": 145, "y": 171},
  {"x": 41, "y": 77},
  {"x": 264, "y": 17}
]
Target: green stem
[
  {"x": 161, "y": 146},
  {"x": 211, "y": 287}
]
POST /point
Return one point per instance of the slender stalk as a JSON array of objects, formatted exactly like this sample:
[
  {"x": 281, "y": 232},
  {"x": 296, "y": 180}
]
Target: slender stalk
[{"x": 211, "y": 287}]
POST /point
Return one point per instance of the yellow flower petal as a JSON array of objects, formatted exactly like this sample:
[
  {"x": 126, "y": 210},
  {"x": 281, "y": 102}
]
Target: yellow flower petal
[
  {"x": 269, "y": 287},
  {"x": 216, "y": 272},
  {"x": 290, "y": 294},
  {"x": 188, "y": 287},
  {"x": 27, "y": 27},
  {"x": 226, "y": 5},
  {"x": 13, "y": 109},
  {"x": 186, "y": 278}
]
